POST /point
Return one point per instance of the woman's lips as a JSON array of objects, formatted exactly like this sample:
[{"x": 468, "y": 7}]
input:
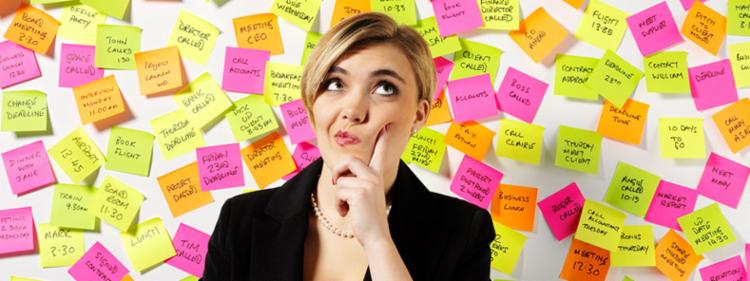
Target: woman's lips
[{"x": 343, "y": 138}]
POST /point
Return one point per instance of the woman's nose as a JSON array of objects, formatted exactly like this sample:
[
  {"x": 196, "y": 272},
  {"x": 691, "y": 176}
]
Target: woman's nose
[{"x": 355, "y": 107}]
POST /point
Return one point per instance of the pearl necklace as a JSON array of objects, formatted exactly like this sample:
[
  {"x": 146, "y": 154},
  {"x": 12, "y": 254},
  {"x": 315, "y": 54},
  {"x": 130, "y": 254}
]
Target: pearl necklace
[{"x": 328, "y": 224}]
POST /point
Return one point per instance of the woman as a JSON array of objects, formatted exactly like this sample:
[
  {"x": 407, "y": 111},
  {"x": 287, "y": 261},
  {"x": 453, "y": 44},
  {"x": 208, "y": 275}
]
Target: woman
[{"x": 358, "y": 212}]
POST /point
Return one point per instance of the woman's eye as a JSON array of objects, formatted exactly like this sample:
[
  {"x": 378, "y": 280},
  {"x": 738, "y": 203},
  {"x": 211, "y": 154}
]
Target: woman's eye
[
  {"x": 334, "y": 85},
  {"x": 386, "y": 89}
]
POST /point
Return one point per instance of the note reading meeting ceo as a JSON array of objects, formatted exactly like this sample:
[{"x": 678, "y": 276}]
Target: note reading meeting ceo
[{"x": 358, "y": 212}]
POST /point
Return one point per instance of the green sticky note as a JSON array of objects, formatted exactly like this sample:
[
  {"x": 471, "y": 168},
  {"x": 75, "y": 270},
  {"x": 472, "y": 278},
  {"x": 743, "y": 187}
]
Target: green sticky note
[
  {"x": 116, "y": 203},
  {"x": 77, "y": 155},
  {"x": 614, "y": 78},
  {"x": 251, "y": 118},
  {"x": 78, "y": 23},
  {"x": 24, "y": 111},
  {"x": 59, "y": 247},
  {"x": 116, "y": 46},
  {"x": 189, "y": 278},
  {"x": 129, "y": 151},
  {"x": 176, "y": 135},
  {"x": 500, "y": 15},
  {"x": 439, "y": 45},
  {"x": 738, "y": 20},
  {"x": 282, "y": 83},
  {"x": 631, "y": 189},
  {"x": 310, "y": 42},
  {"x": 148, "y": 245},
  {"x": 426, "y": 149},
  {"x": 70, "y": 207},
  {"x": 301, "y": 13},
  {"x": 33, "y": 2},
  {"x": 602, "y": 25},
  {"x": 667, "y": 72},
  {"x": 707, "y": 229},
  {"x": 578, "y": 149},
  {"x": 627, "y": 278},
  {"x": 194, "y": 36},
  {"x": 520, "y": 141},
  {"x": 571, "y": 74},
  {"x": 475, "y": 58},
  {"x": 506, "y": 248},
  {"x": 600, "y": 225},
  {"x": 682, "y": 138},
  {"x": 739, "y": 55},
  {"x": 203, "y": 101},
  {"x": 16, "y": 278},
  {"x": 636, "y": 247},
  {"x": 402, "y": 11},
  {"x": 113, "y": 8}
]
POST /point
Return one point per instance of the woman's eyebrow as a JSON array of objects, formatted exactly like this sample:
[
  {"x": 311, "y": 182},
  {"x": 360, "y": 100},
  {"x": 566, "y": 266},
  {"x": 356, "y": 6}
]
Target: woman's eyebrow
[
  {"x": 336, "y": 68},
  {"x": 388, "y": 72}
]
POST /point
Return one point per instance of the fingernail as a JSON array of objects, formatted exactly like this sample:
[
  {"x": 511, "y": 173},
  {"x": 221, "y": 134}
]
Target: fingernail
[{"x": 333, "y": 181}]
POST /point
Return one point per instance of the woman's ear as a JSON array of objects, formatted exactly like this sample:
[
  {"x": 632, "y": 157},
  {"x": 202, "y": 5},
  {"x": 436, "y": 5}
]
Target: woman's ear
[{"x": 423, "y": 112}]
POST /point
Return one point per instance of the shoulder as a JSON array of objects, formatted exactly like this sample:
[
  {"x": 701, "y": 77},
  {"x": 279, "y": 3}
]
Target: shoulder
[
  {"x": 245, "y": 206},
  {"x": 461, "y": 213}
]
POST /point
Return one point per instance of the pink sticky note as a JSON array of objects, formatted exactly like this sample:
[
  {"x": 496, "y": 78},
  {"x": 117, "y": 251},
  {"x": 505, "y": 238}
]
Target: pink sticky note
[
  {"x": 670, "y": 202},
  {"x": 190, "y": 246},
  {"x": 17, "y": 234},
  {"x": 728, "y": 269},
  {"x": 220, "y": 166},
  {"x": 476, "y": 182},
  {"x": 747, "y": 258},
  {"x": 520, "y": 95},
  {"x": 304, "y": 154},
  {"x": 686, "y": 4},
  {"x": 17, "y": 64},
  {"x": 654, "y": 29},
  {"x": 296, "y": 121},
  {"x": 77, "y": 65},
  {"x": 244, "y": 70},
  {"x": 443, "y": 69},
  {"x": 28, "y": 168},
  {"x": 723, "y": 180},
  {"x": 98, "y": 264},
  {"x": 456, "y": 16},
  {"x": 562, "y": 210},
  {"x": 472, "y": 98},
  {"x": 712, "y": 84}
]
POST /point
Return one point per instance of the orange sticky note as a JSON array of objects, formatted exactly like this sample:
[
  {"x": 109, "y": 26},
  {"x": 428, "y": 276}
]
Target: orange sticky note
[
  {"x": 259, "y": 31},
  {"x": 159, "y": 71},
  {"x": 539, "y": 34},
  {"x": 182, "y": 190},
  {"x": 268, "y": 159},
  {"x": 734, "y": 124},
  {"x": 33, "y": 29},
  {"x": 515, "y": 206},
  {"x": 575, "y": 3},
  {"x": 675, "y": 258},
  {"x": 440, "y": 113},
  {"x": 705, "y": 27},
  {"x": 623, "y": 124},
  {"x": 585, "y": 262},
  {"x": 470, "y": 137},
  {"x": 99, "y": 99},
  {"x": 347, "y": 8}
]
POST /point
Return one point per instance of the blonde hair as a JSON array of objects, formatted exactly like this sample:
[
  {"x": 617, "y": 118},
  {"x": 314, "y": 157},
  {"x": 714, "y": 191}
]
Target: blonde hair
[{"x": 358, "y": 32}]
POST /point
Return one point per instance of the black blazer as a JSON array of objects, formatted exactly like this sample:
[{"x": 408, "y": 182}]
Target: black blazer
[{"x": 260, "y": 235}]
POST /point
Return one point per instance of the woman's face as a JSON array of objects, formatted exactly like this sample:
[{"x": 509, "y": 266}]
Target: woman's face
[{"x": 363, "y": 92}]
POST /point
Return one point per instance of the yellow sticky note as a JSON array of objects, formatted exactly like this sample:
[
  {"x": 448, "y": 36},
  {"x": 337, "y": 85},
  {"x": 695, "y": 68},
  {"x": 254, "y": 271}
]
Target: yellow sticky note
[
  {"x": 426, "y": 149},
  {"x": 203, "y": 101},
  {"x": 475, "y": 58},
  {"x": 148, "y": 245},
  {"x": 24, "y": 111},
  {"x": 182, "y": 191},
  {"x": 176, "y": 135},
  {"x": 113, "y": 8},
  {"x": 282, "y": 83},
  {"x": 602, "y": 25},
  {"x": 636, "y": 247},
  {"x": 194, "y": 36},
  {"x": 734, "y": 124},
  {"x": 624, "y": 124},
  {"x": 70, "y": 207},
  {"x": 116, "y": 45},
  {"x": 600, "y": 225},
  {"x": 116, "y": 203},
  {"x": 705, "y": 27},
  {"x": 251, "y": 118},
  {"x": 159, "y": 71},
  {"x": 438, "y": 44},
  {"x": 500, "y": 15},
  {"x": 520, "y": 141},
  {"x": 707, "y": 229},
  {"x": 310, "y": 42},
  {"x": 471, "y": 138},
  {"x": 739, "y": 55},
  {"x": 259, "y": 31},
  {"x": 539, "y": 34},
  {"x": 347, "y": 8},
  {"x": 99, "y": 100},
  {"x": 667, "y": 72},
  {"x": 506, "y": 248},
  {"x": 78, "y": 23},
  {"x": 268, "y": 159},
  {"x": 33, "y": 29},
  {"x": 16, "y": 278},
  {"x": 402, "y": 11},
  {"x": 59, "y": 246},
  {"x": 301, "y": 13},
  {"x": 77, "y": 155},
  {"x": 682, "y": 138}
]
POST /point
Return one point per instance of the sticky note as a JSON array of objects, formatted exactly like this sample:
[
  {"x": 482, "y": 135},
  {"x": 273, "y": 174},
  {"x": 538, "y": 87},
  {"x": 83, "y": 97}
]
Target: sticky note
[
  {"x": 443, "y": 69},
  {"x": 113, "y": 8},
  {"x": 203, "y": 101},
  {"x": 190, "y": 246},
  {"x": 182, "y": 190},
  {"x": 687, "y": 3},
  {"x": 515, "y": 206},
  {"x": 28, "y": 168},
  {"x": 705, "y": 27},
  {"x": 304, "y": 154},
  {"x": 70, "y": 207},
  {"x": 739, "y": 56},
  {"x": 712, "y": 84},
  {"x": 575, "y": 3},
  {"x": 268, "y": 159},
  {"x": 614, "y": 78},
  {"x": 500, "y": 15},
  {"x": 220, "y": 166},
  {"x": 311, "y": 40},
  {"x": 250, "y": 118},
  {"x": 471, "y": 138},
  {"x": 738, "y": 20},
  {"x": 520, "y": 94},
  {"x": 78, "y": 23},
  {"x": 77, "y": 155},
  {"x": 116, "y": 46},
  {"x": 730, "y": 269},
  {"x": 98, "y": 263},
  {"x": 77, "y": 65},
  {"x": 99, "y": 100},
  {"x": 578, "y": 149},
  {"x": 439, "y": 45},
  {"x": 667, "y": 72},
  {"x": 344, "y": 9},
  {"x": 426, "y": 149},
  {"x": 456, "y": 16},
  {"x": 585, "y": 262},
  {"x": 17, "y": 231},
  {"x": 602, "y": 25},
  {"x": 244, "y": 70},
  {"x": 475, "y": 59},
  {"x": 682, "y": 138},
  {"x": 296, "y": 121},
  {"x": 476, "y": 181},
  {"x": 17, "y": 64},
  {"x": 600, "y": 225},
  {"x": 117, "y": 203},
  {"x": 734, "y": 124},
  {"x": 636, "y": 247},
  {"x": 148, "y": 245},
  {"x": 129, "y": 151},
  {"x": 282, "y": 83},
  {"x": 675, "y": 258},
  {"x": 194, "y": 36},
  {"x": 723, "y": 180},
  {"x": 175, "y": 134},
  {"x": 33, "y": 29},
  {"x": 402, "y": 11},
  {"x": 24, "y": 111},
  {"x": 670, "y": 202},
  {"x": 159, "y": 71},
  {"x": 539, "y": 34},
  {"x": 259, "y": 31},
  {"x": 472, "y": 98},
  {"x": 624, "y": 124},
  {"x": 520, "y": 141},
  {"x": 654, "y": 29},
  {"x": 506, "y": 248},
  {"x": 707, "y": 229},
  {"x": 631, "y": 189},
  {"x": 59, "y": 246},
  {"x": 301, "y": 13},
  {"x": 440, "y": 113},
  {"x": 571, "y": 75}
]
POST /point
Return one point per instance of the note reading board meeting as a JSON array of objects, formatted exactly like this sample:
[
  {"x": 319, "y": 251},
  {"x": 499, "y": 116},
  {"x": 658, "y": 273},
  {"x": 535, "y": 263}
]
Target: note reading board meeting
[{"x": 633, "y": 114}]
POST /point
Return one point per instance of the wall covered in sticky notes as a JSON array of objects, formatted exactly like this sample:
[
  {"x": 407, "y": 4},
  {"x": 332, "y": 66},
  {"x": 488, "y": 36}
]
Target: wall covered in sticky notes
[{"x": 610, "y": 140}]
